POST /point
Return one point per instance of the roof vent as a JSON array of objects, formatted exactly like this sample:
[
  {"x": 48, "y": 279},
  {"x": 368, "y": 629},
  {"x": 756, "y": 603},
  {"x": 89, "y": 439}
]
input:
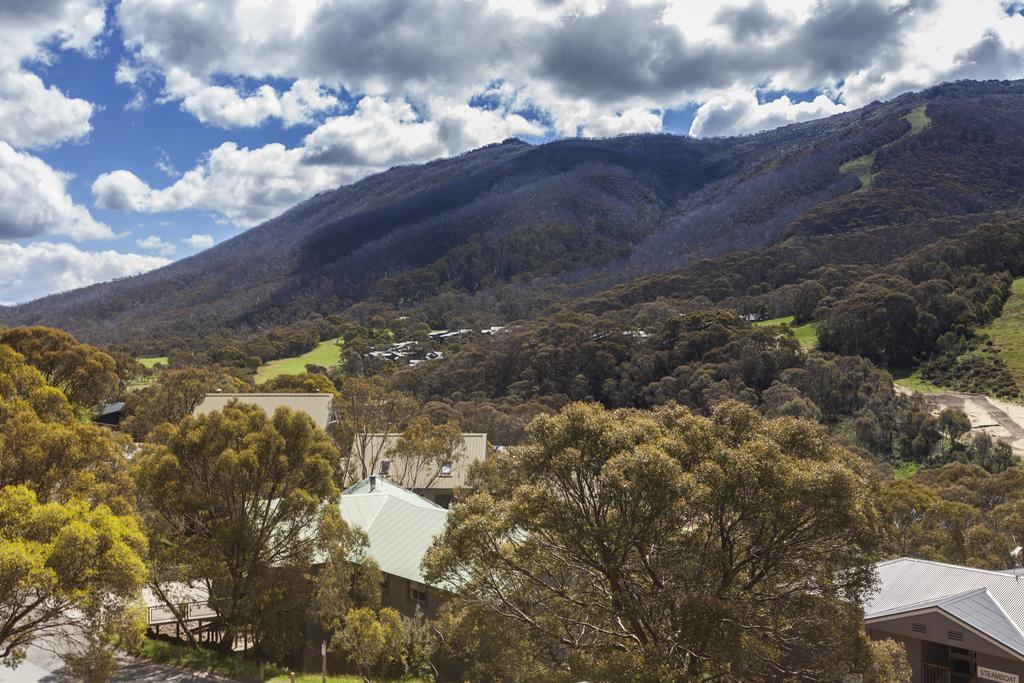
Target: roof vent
[
  {"x": 955, "y": 635},
  {"x": 918, "y": 628},
  {"x": 373, "y": 483}
]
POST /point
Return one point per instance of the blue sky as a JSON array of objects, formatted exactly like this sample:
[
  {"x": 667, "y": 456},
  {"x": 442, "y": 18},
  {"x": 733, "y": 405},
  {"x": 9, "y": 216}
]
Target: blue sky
[{"x": 136, "y": 132}]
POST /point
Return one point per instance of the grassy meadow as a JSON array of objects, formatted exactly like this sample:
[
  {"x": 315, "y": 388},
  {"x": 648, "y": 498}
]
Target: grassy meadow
[
  {"x": 807, "y": 335},
  {"x": 326, "y": 354},
  {"x": 1007, "y": 331}
]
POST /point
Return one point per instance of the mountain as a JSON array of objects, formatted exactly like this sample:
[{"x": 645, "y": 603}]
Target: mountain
[{"x": 506, "y": 230}]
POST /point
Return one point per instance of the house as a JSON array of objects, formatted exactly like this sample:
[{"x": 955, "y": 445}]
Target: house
[
  {"x": 400, "y": 527},
  {"x": 958, "y": 624},
  {"x": 110, "y": 415},
  {"x": 319, "y": 407},
  {"x": 451, "y": 476}
]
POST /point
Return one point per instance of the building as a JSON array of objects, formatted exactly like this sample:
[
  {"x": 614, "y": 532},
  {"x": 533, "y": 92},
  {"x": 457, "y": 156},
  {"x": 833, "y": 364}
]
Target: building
[
  {"x": 319, "y": 407},
  {"x": 958, "y": 624},
  {"x": 110, "y": 415},
  {"x": 400, "y": 527},
  {"x": 450, "y": 477}
]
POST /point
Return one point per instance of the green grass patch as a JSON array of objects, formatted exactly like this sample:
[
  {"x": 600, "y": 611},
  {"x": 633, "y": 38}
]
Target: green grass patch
[
  {"x": 861, "y": 167},
  {"x": 806, "y": 335},
  {"x": 1007, "y": 332},
  {"x": 905, "y": 470},
  {"x": 315, "y": 678},
  {"x": 149, "y": 362},
  {"x": 914, "y": 382},
  {"x": 325, "y": 354},
  {"x": 918, "y": 119}
]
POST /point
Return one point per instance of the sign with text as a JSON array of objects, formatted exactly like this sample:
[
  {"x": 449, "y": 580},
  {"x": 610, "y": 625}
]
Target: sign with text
[{"x": 986, "y": 674}]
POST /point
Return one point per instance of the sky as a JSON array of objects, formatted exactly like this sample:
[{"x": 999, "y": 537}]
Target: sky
[{"x": 137, "y": 132}]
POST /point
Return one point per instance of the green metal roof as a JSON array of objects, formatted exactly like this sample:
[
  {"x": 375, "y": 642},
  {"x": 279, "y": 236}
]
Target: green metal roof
[{"x": 399, "y": 524}]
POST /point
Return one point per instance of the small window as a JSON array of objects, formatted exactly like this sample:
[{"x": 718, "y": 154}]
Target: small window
[
  {"x": 417, "y": 593},
  {"x": 446, "y": 469},
  {"x": 385, "y": 467}
]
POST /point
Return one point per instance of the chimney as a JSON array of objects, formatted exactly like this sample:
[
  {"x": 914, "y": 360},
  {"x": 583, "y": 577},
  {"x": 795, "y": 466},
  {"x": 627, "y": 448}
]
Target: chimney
[{"x": 373, "y": 483}]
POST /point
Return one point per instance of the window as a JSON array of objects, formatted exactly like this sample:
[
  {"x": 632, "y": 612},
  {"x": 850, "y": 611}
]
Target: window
[
  {"x": 446, "y": 469},
  {"x": 417, "y": 593},
  {"x": 385, "y": 467}
]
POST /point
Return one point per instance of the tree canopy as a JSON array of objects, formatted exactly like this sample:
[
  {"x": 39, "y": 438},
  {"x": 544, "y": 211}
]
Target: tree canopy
[
  {"x": 85, "y": 374},
  {"x": 71, "y": 549},
  {"x": 236, "y": 500},
  {"x": 664, "y": 545}
]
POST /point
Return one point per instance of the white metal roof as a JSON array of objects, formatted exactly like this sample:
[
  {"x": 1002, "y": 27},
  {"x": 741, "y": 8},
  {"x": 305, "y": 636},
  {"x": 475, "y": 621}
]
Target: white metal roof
[
  {"x": 317, "y": 406},
  {"x": 990, "y": 602},
  {"x": 399, "y": 524}
]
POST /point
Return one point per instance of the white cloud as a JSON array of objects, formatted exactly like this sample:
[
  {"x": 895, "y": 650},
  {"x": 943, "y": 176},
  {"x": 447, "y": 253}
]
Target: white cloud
[
  {"x": 34, "y": 201},
  {"x": 30, "y": 271},
  {"x": 636, "y": 120},
  {"x": 155, "y": 243},
  {"x": 736, "y": 113},
  {"x": 33, "y": 115},
  {"x": 227, "y": 107},
  {"x": 33, "y": 196},
  {"x": 248, "y": 186},
  {"x": 27, "y": 28},
  {"x": 199, "y": 241}
]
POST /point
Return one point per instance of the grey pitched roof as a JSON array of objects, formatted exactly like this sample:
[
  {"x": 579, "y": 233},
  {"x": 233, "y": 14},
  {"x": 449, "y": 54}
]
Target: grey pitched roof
[
  {"x": 399, "y": 524},
  {"x": 317, "y": 406},
  {"x": 109, "y": 408},
  {"x": 989, "y": 602}
]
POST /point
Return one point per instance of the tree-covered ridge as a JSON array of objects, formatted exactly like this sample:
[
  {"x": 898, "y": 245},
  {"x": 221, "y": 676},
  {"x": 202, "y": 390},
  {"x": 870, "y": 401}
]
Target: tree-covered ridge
[{"x": 504, "y": 232}]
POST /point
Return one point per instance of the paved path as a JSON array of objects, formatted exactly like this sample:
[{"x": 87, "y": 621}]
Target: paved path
[{"x": 41, "y": 667}]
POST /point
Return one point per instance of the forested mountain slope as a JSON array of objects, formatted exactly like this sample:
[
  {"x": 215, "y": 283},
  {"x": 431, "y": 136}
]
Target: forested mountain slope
[{"x": 505, "y": 231}]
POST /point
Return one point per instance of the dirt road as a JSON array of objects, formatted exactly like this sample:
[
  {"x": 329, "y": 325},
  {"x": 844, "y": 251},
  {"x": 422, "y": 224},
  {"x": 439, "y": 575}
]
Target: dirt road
[{"x": 1000, "y": 419}]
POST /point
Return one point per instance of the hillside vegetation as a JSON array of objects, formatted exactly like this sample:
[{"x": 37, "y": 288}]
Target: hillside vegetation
[{"x": 507, "y": 231}]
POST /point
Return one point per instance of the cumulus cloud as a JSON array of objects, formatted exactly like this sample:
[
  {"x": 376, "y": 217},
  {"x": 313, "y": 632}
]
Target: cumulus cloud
[
  {"x": 199, "y": 241},
  {"x": 33, "y": 196},
  {"x": 155, "y": 243},
  {"x": 34, "y": 201},
  {"x": 29, "y": 29},
  {"x": 33, "y": 115},
  {"x": 736, "y": 113},
  {"x": 248, "y": 186},
  {"x": 227, "y": 107},
  {"x": 30, "y": 271},
  {"x": 637, "y": 120}
]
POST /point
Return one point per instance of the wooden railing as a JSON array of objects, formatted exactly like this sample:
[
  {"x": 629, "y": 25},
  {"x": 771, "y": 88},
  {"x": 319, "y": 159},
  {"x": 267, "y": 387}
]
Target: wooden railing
[
  {"x": 192, "y": 611},
  {"x": 934, "y": 673}
]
